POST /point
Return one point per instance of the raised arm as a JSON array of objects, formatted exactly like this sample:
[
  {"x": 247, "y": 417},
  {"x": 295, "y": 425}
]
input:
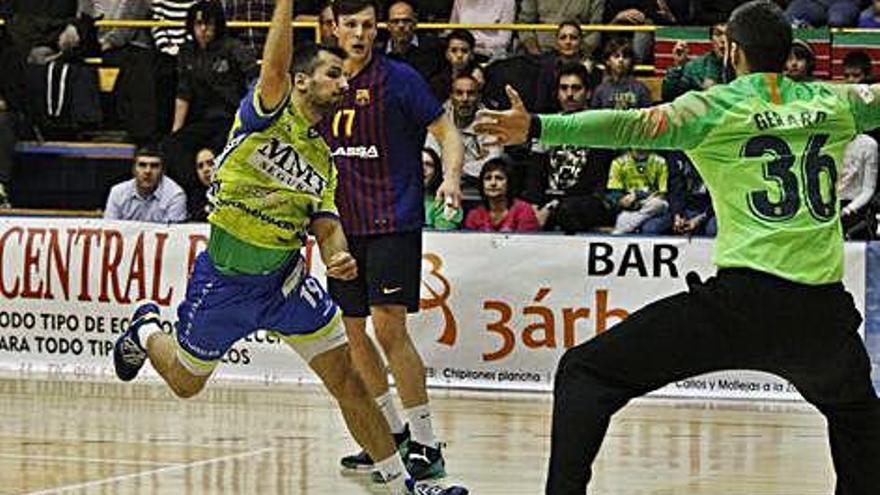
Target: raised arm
[
  {"x": 274, "y": 80},
  {"x": 681, "y": 124}
]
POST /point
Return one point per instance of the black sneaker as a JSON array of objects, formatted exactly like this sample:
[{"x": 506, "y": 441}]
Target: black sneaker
[
  {"x": 424, "y": 463},
  {"x": 129, "y": 354},
  {"x": 362, "y": 460},
  {"x": 416, "y": 488}
]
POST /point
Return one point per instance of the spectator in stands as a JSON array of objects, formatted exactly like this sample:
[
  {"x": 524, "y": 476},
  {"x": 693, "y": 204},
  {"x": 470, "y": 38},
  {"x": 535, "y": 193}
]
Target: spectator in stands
[
  {"x": 462, "y": 106},
  {"x": 437, "y": 216},
  {"x": 819, "y": 13},
  {"x": 7, "y": 149},
  {"x": 459, "y": 60},
  {"x": 801, "y": 61},
  {"x": 567, "y": 178},
  {"x": 568, "y": 50},
  {"x": 620, "y": 90},
  {"x": 554, "y": 12},
  {"x": 149, "y": 196},
  {"x": 637, "y": 185},
  {"x": 690, "y": 207},
  {"x": 251, "y": 11},
  {"x": 327, "y": 23},
  {"x": 699, "y": 73},
  {"x": 135, "y": 88},
  {"x": 870, "y": 17},
  {"x": 44, "y": 30},
  {"x": 214, "y": 72},
  {"x": 857, "y": 68},
  {"x": 855, "y": 188},
  {"x": 492, "y": 45},
  {"x": 500, "y": 211},
  {"x": 197, "y": 207},
  {"x": 639, "y": 13},
  {"x": 423, "y": 52},
  {"x": 167, "y": 41}
]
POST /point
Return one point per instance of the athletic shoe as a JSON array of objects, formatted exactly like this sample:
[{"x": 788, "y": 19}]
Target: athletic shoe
[
  {"x": 416, "y": 488},
  {"x": 425, "y": 462},
  {"x": 129, "y": 354},
  {"x": 363, "y": 462}
]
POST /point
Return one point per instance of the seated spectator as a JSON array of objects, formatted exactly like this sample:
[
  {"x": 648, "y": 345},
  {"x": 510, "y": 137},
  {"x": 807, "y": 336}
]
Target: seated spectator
[
  {"x": 459, "y": 59},
  {"x": 801, "y": 61},
  {"x": 637, "y": 185},
  {"x": 251, "y": 11},
  {"x": 858, "y": 179},
  {"x": 462, "y": 106},
  {"x": 569, "y": 177},
  {"x": 500, "y": 211},
  {"x": 214, "y": 71},
  {"x": 437, "y": 215},
  {"x": 620, "y": 90},
  {"x": 135, "y": 87},
  {"x": 820, "y": 13},
  {"x": 639, "y": 13},
  {"x": 327, "y": 23},
  {"x": 197, "y": 206},
  {"x": 699, "y": 73},
  {"x": 870, "y": 17},
  {"x": 857, "y": 68},
  {"x": 149, "y": 196},
  {"x": 568, "y": 50},
  {"x": 7, "y": 150},
  {"x": 554, "y": 12},
  {"x": 492, "y": 45},
  {"x": 690, "y": 207},
  {"x": 423, "y": 52}
]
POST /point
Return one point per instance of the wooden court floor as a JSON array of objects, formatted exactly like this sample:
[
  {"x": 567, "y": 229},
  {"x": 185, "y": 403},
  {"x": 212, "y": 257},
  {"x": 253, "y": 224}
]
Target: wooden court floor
[{"x": 78, "y": 437}]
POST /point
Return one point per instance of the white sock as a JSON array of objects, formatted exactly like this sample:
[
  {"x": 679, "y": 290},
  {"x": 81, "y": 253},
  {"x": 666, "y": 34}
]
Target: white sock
[
  {"x": 386, "y": 405},
  {"x": 393, "y": 473},
  {"x": 145, "y": 331},
  {"x": 420, "y": 425}
]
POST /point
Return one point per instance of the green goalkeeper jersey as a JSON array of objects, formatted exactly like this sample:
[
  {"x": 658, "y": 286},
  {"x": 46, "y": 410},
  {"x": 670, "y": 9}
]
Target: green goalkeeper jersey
[{"x": 769, "y": 150}]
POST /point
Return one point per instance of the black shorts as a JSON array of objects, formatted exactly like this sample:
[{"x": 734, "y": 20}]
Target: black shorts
[{"x": 389, "y": 273}]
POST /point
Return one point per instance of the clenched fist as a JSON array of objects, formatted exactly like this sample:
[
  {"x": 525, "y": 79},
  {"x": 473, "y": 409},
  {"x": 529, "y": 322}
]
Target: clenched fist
[{"x": 343, "y": 266}]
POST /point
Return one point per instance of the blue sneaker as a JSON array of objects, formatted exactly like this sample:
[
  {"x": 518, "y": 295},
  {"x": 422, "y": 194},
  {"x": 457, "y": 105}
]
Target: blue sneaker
[
  {"x": 418, "y": 488},
  {"x": 129, "y": 354}
]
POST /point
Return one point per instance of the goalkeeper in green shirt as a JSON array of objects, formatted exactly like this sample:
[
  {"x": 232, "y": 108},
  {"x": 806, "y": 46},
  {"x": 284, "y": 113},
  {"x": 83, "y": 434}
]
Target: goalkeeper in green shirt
[{"x": 770, "y": 150}]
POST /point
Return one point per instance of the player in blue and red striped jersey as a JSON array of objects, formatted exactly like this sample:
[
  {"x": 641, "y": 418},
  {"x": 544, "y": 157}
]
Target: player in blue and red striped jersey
[{"x": 376, "y": 138}]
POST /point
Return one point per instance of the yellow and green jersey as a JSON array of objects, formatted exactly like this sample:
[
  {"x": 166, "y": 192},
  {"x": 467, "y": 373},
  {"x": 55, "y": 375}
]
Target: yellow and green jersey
[
  {"x": 273, "y": 178},
  {"x": 769, "y": 150},
  {"x": 647, "y": 174}
]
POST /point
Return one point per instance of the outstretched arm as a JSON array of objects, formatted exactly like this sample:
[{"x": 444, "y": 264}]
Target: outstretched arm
[
  {"x": 681, "y": 124},
  {"x": 274, "y": 80}
]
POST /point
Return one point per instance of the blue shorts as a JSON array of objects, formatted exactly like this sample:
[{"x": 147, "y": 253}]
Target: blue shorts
[{"x": 222, "y": 309}]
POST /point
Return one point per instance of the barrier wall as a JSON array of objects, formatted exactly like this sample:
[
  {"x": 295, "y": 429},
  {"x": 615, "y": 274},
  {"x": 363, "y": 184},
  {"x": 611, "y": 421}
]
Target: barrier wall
[{"x": 498, "y": 311}]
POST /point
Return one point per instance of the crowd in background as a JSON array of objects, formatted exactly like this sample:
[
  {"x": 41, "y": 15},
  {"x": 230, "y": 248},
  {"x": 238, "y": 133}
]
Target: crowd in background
[{"x": 178, "y": 89}]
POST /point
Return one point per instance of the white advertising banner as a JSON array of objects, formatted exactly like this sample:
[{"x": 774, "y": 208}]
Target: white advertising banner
[{"x": 498, "y": 311}]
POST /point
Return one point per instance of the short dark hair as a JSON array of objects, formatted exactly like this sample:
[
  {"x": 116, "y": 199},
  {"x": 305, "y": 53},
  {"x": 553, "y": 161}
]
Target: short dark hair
[
  {"x": 569, "y": 22},
  {"x": 762, "y": 32},
  {"x": 349, "y": 7},
  {"x": 575, "y": 69},
  {"x": 207, "y": 11},
  {"x": 151, "y": 150},
  {"x": 492, "y": 165},
  {"x": 619, "y": 44},
  {"x": 858, "y": 60},
  {"x": 461, "y": 35},
  {"x": 305, "y": 56}
]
